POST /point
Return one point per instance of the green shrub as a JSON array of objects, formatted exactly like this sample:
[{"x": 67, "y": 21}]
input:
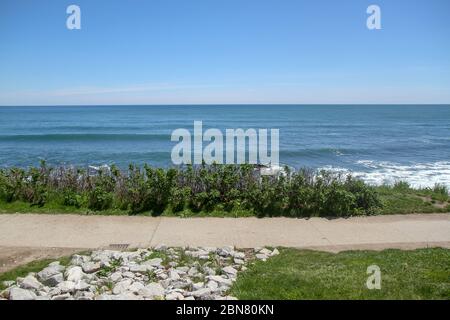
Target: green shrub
[
  {"x": 211, "y": 188},
  {"x": 134, "y": 197},
  {"x": 6, "y": 189},
  {"x": 367, "y": 199},
  {"x": 179, "y": 198}
]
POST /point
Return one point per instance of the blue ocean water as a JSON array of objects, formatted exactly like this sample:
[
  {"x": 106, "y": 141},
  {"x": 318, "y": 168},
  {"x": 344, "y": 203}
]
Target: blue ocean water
[{"x": 379, "y": 143}]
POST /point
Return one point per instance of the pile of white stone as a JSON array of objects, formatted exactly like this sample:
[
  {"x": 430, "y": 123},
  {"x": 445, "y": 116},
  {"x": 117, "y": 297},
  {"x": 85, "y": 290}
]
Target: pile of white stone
[{"x": 204, "y": 273}]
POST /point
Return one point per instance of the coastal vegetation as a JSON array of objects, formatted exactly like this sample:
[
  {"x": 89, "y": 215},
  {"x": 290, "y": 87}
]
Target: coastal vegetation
[
  {"x": 401, "y": 198},
  {"x": 207, "y": 190}
]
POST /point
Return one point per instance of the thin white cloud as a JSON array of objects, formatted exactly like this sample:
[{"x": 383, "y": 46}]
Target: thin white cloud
[{"x": 289, "y": 92}]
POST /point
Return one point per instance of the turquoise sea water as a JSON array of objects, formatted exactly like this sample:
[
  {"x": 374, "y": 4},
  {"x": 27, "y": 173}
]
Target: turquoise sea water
[{"x": 380, "y": 143}]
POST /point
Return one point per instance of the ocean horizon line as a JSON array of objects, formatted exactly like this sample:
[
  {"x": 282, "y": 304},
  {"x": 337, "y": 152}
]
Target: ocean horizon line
[{"x": 229, "y": 104}]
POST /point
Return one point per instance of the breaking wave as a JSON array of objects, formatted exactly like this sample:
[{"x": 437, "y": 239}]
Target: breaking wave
[{"x": 417, "y": 175}]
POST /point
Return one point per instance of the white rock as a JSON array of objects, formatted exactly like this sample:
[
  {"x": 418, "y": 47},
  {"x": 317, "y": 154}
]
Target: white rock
[
  {"x": 53, "y": 280},
  {"x": 275, "y": 252},
  {"x": 161, "y": 247},
  {"x": 230, "y": 270},
  {"x": 126, "y": 296},
  {"x": 122, "y": 286},
  {"x": 201, "y": 293},
  {"x": 192, "y": 271},
  {"x": 30, "y": 282},
  {"x": 54, "y": 291},
  {"x": 49, "y": 272},
  {"x": 226, "y": 251},
  {"x": 138, "y": 268},
  {"x": 135, "y": 287},
  {"x": 261, "y": 256},
  {"x": 128, "y": 274},
  {"x": 152, "y": 290},
  {"x": 90, "y": 267},
  {"x": 133, "y": 256},
  {"x": 116, "y": 276},
  {"x": 142, "y": 252},
  {"x": 165, "y": 283},
  {"x": 220, "y": 280},
  {"x": 198, "y": 285},
  {"x": 182, "y": 270},
  {"x": 75, "y": 274},
  {"x": 173, "y": 275},
  {"x": 56, "y": 264},
  {"x": 81, "y": 285},
  {"x": 102, "y": 256},
  {"x": 155, "y": 262},
  {"x": 130, "y": 277},
  {"x": 209, "y": 271},
  {"x": 212, "y": 285},
  {"x": 265, "y": 251},
  {"x": 66, "y": 286},
  {"x": 197, "y": 254},
  {"x": 123, "y": 269},
  {"x": 64, "y": 296},
  {"x": 239, "y": 255},
  {"x": 78, "y": 260},
  {"x": 162, "y": 276},
  {"x": 21, "y": 294},
  {"x": 181, "y": 284},
  {"x": 104, "y": 297},
  {"x": 174, "y": 296},
  {"x": 84, "y": 295}
]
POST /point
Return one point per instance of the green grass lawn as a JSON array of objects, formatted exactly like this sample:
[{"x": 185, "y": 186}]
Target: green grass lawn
[
  {"x": 49, "y": 208},
  {"x": 301, "y": 274}
]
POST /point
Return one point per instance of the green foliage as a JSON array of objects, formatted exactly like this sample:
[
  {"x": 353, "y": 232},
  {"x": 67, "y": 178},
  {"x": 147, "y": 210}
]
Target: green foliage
[
  {"x": 111, "y": 268},
  {"x": 207, "y": 189},
  {"x": 179, "y": 198}
]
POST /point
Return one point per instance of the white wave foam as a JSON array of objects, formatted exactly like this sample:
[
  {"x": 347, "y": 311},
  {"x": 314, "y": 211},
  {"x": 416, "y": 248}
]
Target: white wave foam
[{"x": 417, "y": 175}]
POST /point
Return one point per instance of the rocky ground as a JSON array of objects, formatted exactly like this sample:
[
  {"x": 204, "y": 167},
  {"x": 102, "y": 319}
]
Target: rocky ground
[{"x": 191, "y": 273}]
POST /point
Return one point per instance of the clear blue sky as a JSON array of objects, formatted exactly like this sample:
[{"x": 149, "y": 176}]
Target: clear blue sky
[{"x": 224, "y": 51}]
